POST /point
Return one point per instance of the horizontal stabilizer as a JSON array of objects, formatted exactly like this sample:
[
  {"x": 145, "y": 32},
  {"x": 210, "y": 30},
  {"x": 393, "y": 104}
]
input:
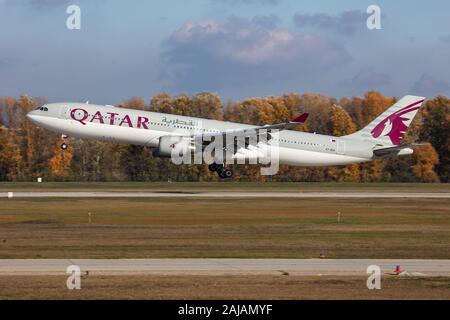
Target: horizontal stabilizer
[{"x": 395, "y": 150}]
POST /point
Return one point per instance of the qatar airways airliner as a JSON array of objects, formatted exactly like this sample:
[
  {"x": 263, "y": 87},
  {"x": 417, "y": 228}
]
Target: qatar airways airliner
[{"x": 165, "y": 132}]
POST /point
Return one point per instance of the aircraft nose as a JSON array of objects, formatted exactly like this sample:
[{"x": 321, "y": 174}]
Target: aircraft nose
[{"x": 31, "y": 115}]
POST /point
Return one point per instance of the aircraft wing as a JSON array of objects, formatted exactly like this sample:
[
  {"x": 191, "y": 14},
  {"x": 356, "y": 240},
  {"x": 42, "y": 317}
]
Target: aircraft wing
[
  {"x": 242, "y": 138},
  {"x": 250, "y": 132},
  {"x": 387, "y": 151}
]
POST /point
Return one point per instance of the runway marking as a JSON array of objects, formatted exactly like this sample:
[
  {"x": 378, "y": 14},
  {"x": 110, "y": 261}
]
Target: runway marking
[
  {"x": 304, "y": 267},
  {"x": 225, "y": 194}
]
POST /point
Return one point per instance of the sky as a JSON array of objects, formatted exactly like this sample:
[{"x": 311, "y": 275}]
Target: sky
[{"x": 235, "y": 48}]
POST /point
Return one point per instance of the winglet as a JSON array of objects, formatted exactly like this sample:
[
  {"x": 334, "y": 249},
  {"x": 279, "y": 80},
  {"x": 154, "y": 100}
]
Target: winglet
[{"x": 301, "y": 118}]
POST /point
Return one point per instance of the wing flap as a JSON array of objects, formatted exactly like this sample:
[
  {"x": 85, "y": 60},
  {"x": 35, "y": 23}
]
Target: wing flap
[
  {"x": 250, "y": 136},
  {"x": 250, "y": 132}
]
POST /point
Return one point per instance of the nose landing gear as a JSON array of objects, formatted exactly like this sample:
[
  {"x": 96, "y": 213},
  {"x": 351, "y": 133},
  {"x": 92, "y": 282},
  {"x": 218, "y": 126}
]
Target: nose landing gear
[
  {"x": 221, "y": 170},
  {"x": 64, "y": 146}
]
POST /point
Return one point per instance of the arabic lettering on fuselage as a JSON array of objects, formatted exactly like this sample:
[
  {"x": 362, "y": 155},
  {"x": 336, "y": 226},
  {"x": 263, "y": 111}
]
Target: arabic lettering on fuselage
[{"x": 180, "y": 122}]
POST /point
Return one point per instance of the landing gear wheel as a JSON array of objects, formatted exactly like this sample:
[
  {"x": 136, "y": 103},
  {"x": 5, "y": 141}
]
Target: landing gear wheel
[
  {"x": 221, "y": 174},
  {"x": 64, "y": 146},
  {"x": 224, "y": 174},
  {"x": 214, "y": 167},
  {"x": 228, "y": 173}
]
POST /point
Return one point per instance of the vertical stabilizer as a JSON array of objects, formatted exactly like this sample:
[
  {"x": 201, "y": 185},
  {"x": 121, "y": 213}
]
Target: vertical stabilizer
[{"x": 390, "y": 127}]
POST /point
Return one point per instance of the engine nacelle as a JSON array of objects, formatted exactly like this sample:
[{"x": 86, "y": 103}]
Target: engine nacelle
[{"x": 172, "y": 145}]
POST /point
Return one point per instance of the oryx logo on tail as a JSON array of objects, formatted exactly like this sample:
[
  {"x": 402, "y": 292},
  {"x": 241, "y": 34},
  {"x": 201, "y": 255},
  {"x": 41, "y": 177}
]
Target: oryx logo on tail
[{"x": 394, "y": 125}]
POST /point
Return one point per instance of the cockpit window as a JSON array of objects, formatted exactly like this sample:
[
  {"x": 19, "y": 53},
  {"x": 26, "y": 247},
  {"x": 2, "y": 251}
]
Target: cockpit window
[{"x": 42, "y": 109}]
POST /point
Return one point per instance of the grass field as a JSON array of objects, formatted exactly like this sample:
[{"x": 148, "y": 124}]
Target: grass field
[
  {"x": 236, "y": 287},
  {"x": 224, "y": 228},
  {"x": 224, "y": 186}
]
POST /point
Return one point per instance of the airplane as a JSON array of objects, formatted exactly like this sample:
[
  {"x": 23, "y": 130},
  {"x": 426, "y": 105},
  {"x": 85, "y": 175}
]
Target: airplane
[{"x": 383, "y": 137}]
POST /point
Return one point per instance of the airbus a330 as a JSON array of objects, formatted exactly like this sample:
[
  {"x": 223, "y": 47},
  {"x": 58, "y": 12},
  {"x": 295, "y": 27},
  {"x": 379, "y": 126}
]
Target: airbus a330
[{"x": 382, "y": 137}]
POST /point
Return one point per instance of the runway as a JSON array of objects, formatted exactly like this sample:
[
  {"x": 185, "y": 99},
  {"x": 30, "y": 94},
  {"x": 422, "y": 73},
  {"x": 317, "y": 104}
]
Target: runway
[
  {"x": 225, "y": 194},
  {"x": 221, "y": 267}
]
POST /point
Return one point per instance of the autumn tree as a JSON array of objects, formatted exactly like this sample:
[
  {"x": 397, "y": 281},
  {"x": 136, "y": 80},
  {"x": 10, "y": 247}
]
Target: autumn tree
[
  {"x": 27, "y": 151},
  {"x": 425, "y": 158},
  {"x": 134, "y": 159},
  {"x": 135, "y": 162},
  {"x": 1, "y": 117},
  {"x": 181, "y": 105},
  {"x": 9, "y": 144},
  {"x": 319, "y": 107},
  {"x": 398, "y": 169},
  {"x": 10, "y": 157},
  {"x": 207, "y": 105},
  {"x": 60, "y": 162},
  {"x": 341, "y": 124},
  {"x": 354, "y": 109},
  {"x": 436, "y": 130},
  {"x": 8, "y": 117},
  {"x": 36, "y": 144},
  {"x": 134, "y": 103},
  {"x": 96, "y": 160},
  {"x": 161, "y": 103},
  {"x": 372, "y": 106}
]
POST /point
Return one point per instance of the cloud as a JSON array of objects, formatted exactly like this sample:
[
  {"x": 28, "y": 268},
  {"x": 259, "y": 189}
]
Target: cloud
[
  {"x": 427, "y": 85},
  {"x": 247, "y": 2},
  {"x": 44, "y": 4},
  {"x": 268, "y": 22},
  {"x": 211, "y": 54},
  {"x": 369, "y": 79},
  {"x": 8, "y": 63},
  {"x": 346, "y": 23},
  {"x": 445, "y": 39},
  {"x": 49, "y": 3}
]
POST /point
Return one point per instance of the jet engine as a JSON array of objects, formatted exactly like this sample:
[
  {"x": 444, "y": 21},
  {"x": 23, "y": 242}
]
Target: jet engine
[{"x": 173, "y": 146}]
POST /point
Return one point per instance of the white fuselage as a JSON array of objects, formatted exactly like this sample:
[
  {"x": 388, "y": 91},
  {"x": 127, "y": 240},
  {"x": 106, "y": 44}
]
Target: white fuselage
[{"x": 145, "y": 128}]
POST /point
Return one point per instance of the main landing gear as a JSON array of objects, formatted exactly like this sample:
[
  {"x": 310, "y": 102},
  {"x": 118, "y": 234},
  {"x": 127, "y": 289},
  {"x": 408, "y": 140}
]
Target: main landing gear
[
  {"x": 221, "y": 170},
  {"x": 64, "y": 146}
]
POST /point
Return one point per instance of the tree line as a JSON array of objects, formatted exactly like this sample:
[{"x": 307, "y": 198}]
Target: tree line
[{"x": 28, "y": 152}]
